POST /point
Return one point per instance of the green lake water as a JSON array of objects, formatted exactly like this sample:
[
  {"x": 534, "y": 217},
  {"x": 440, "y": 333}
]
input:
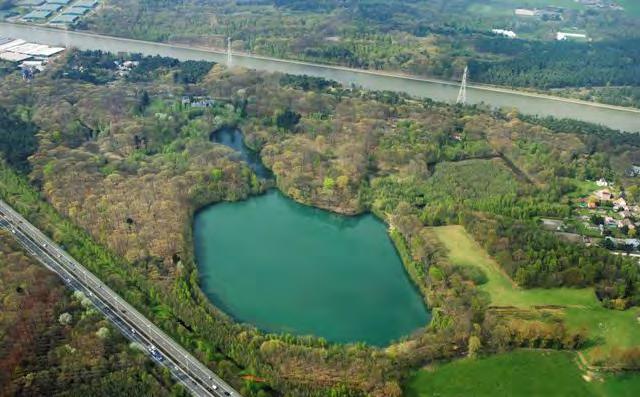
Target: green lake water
[{"x": 285, "y": 267}]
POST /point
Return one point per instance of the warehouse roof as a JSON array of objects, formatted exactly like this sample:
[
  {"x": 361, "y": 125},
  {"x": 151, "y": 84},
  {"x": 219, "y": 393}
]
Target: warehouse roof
[
  {"x": 13, "y": 56},
  {"x": 65, "y": 18},
  {"x": 49, "y": 7},
  {"x": 38, "y": 14},
  {"x": 76, "y": 11},
  {"x": 86, "y": 3},
  {"x": 37, "y": 49}
]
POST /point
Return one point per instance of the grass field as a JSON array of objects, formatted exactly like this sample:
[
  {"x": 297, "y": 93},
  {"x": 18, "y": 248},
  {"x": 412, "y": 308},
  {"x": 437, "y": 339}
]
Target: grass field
[
  {"x": 518, "y": 373},
  {"x": 580, "y": 307}
]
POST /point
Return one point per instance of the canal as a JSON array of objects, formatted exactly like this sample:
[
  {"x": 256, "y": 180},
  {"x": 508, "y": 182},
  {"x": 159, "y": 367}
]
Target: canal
[{"x": 614, "y": 117}]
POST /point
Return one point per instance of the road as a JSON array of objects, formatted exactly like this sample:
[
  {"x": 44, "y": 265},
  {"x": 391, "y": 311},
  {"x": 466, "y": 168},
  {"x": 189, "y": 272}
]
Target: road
[
  {"x": 185, "y": 368},
  {"x": 625, "y": 119}
]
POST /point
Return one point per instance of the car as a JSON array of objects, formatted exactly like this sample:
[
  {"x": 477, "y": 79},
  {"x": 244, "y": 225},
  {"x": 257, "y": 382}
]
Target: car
[
  {"x": 214, "y": 387},
  {"x": 13, "y": 231},
  {"x": 156, "y": 354},
  {"x": 44, "y": 245},
  {"x": 226, "y": 393}
]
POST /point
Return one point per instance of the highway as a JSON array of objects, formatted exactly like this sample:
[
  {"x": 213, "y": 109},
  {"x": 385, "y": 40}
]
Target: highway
[{"x": 185, "y": 368}]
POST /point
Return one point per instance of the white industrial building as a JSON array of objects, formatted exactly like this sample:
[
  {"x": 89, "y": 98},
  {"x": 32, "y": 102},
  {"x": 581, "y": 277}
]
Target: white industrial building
[
  {"x": 30, "y": 55},
  {"x": 506, "y": 33},
  {"x": 523, "y": 12},
  {"x": 561, "y": 36}
]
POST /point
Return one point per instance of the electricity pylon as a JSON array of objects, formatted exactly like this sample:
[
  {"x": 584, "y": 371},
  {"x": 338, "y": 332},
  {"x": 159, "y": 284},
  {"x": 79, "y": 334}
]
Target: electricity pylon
[{"x": 462, "y": 94}]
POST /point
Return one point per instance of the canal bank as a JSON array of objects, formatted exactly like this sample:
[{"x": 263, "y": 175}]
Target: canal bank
[{"x": 624, "y": 119}]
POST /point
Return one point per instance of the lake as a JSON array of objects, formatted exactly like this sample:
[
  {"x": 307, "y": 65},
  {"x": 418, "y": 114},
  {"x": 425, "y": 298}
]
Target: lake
[
  {"x": 232, "y": 137},
  {"x": 286, "y": 267}
]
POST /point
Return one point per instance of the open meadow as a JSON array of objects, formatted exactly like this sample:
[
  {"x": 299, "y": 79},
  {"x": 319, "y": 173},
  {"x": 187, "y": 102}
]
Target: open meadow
[
  {"x": 518, "y": 373},
  {"x": 580, "y": 308}
]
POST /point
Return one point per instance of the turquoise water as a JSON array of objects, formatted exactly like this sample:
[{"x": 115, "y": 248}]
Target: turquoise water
[{"x": 285, "y": 267}]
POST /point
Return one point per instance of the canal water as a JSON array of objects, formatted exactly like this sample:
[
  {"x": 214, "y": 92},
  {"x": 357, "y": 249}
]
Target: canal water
[
  {"x": 626, "y": 120},
  {"x": 286, "y": 267}
]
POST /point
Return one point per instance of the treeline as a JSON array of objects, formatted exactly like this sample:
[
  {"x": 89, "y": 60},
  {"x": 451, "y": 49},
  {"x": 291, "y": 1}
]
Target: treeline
[
  {"x": 98, "y": 67},
  {"x": 558, "y": 63},
  {"x": 56, "y": 343},
  {"x": 537, "y": 258},
  {"x": 563, "y": 125},
  {"x": 17, "y": 140}
]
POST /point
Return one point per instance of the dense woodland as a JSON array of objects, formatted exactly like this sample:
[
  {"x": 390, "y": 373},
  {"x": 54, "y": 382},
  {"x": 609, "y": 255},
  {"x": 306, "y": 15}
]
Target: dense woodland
[
  {"x": 118, "y": 170},
  {"x": 434, "y": 38},
  {"x": 53, "y": 342}
]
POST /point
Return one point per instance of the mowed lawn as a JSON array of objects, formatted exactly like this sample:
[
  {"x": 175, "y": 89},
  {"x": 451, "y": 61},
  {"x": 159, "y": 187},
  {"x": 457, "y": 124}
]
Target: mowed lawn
[
  {"x": 580, "y": 307},
  {"x": 518, "y": 373}
]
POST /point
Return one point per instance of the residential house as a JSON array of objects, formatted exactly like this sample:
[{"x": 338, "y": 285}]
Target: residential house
[
  {"x": 620, "y": 204},
  {"x": 604, "y": 194}
]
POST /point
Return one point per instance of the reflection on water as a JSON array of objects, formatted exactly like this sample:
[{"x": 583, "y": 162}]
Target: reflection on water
[
  {"x": 232, "y": 137},
  {"x": 286, "y": 267}
]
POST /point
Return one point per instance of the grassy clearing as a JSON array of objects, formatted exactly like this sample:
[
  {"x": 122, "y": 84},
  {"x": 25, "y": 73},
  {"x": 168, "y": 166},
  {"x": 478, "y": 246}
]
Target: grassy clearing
[
  {"x": 518, "y": 373},
  {"x": 580, "y": 307}
]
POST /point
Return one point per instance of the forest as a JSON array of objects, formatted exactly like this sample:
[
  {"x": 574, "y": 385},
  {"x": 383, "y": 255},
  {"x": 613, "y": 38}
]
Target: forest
[
  {"x": 435, "y": 38},
  {"x": 53, "y": 342},
  {"x": 117, "y": 171}
]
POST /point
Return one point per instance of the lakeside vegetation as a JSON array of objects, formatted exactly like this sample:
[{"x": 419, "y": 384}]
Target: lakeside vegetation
[
  {"x": 435, "y": 38},
  {"x": 120, "y": 168}
]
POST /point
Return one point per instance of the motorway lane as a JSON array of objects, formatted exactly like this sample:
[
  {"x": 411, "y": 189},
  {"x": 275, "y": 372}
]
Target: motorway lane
[
  {"x": 194, "y": 375},
  {"x": 72, "y": 282}
]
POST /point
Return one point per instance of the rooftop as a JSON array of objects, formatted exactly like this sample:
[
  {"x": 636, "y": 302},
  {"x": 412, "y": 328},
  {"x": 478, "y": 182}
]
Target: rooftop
[
  {"x": 37, "y": 49},
  {"x": 31, "y": 3},
  {"x": 86, "y": 3},
  {"x": 49, "y": 7},
  {"x": 12, "y": 43},
  {"x": 63, "y": 2},
  {"x": 38, "y": 14},
  {"x": 64, "y": 19},
  {"x": 13, "y": 56},
  {"x": 76, "y": 11}
]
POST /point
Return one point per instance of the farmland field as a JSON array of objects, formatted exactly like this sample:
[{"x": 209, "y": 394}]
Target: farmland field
[
  {"x": 518, "y": 373},
  {"x": 579, "y": 307}
]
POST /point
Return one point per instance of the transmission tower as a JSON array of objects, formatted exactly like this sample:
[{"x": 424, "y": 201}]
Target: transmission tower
[
  {"x": 229, "y": 54},
  {"x": 462, "y": 94}
]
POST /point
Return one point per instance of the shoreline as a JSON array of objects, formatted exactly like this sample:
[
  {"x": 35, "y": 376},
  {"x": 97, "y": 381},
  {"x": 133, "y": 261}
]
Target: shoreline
[{"x": 382, "y": 73}]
